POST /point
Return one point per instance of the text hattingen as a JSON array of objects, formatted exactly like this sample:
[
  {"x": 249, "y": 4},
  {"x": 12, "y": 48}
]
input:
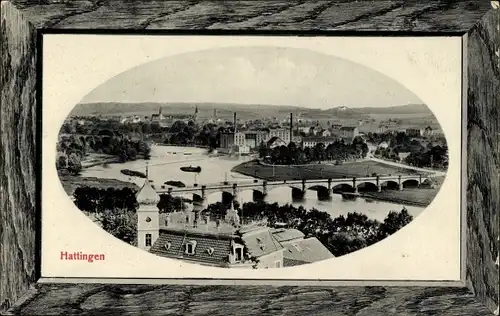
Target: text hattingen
[{"x": 81, "y": 256}]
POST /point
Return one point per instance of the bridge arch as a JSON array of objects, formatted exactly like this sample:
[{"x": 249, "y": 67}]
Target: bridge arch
[
  {"x": 321, "y": 190},
  {"x": 427, "y": 182},
  {"x": 219, "y": 196},
  {"x": 411, "y": 183},
  {"x": 250, "y": 194},
  {"x": 389, "y": 185},
  {"x": 367, "y": 186},
  {"x": 342, "y": 187},
  {"x": 197, "y": 198}
]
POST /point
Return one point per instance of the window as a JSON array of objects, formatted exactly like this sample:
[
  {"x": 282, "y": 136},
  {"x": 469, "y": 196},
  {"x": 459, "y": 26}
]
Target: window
[
  {"x": 278, "y": 264},
  {"x": 148, "y": 219},
  {"x": 190, "y": 247},
  {"x": 148, "y": 240}
]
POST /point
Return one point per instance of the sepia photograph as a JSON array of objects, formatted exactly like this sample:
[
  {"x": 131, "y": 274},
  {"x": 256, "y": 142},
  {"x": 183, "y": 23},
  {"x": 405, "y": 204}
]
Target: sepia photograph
[
  {"x": 267, "y": 157},
  {"x": 251, "y": 157}
]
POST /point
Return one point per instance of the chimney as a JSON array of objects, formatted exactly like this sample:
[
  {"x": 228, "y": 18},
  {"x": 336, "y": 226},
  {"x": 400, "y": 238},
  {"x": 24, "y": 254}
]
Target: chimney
[
  {"x": 234, "y": 127},
  {"x": 291, "y": 127}
]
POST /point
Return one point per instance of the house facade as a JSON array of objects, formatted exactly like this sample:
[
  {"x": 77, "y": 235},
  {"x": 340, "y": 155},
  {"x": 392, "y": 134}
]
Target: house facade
[{"x": 312, "y": 141}]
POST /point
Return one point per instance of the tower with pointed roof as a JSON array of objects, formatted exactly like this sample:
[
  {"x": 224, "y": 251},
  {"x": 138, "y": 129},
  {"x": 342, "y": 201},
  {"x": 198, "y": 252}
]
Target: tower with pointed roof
[{"x": 148, "y": 217}]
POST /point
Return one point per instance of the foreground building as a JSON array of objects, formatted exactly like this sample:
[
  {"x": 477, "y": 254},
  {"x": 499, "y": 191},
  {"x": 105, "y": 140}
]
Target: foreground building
[{"x": 189, "y": 236}]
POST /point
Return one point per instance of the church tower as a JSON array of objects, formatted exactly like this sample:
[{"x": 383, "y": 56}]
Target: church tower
[{"x": 148, "y": 217}]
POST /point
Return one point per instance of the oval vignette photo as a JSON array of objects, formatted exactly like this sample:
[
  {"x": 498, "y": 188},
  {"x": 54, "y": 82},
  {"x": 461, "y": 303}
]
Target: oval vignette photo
[{"x": 251, "y": 157}]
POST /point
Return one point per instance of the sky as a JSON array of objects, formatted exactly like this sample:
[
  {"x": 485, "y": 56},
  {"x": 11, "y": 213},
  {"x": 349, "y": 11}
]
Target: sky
[{"x": 255, "y": 75}]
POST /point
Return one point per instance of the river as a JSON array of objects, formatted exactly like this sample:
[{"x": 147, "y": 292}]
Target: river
[{"x": 166, "y": 161}]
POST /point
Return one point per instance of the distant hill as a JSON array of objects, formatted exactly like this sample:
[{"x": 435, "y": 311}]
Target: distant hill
[
  {"x": 397, "y": 109},
  {"x": 224, "y": 110},
  {"x": 245, "y": 111}
]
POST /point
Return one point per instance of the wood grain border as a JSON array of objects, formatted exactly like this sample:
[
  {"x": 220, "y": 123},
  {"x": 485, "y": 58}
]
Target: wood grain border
[{"x": 23, "y": 22}]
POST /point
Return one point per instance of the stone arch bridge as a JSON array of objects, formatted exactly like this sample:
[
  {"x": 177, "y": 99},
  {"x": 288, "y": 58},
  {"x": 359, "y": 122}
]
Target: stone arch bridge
[{"x": 324, "y": 187}]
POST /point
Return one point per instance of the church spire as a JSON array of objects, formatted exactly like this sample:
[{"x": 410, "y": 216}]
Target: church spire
[
  {"x": 147, "y": 195},
  {"x": 195, "y": 116}
]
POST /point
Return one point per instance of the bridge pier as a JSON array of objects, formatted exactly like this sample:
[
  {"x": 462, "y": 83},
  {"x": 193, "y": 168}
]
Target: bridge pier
[
  {"x": 235, "y": 196},
  {"x": 400, "y": 183},
  {"x": 297, "y": 194},
  {"x": 324, "y": 194},
  {"x": 354, "y": 185},
  {"x": 379, "y": 186},
  {"x": 264, "y": 189}
]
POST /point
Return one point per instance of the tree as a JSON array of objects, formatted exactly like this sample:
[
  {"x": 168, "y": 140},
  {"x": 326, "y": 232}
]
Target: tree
[
  {"x": 121, "y": 223},
  {"x": 264, "y": 151},
  {"x": 169, "y": 204},
  {"x": 74, "y": 164},
  {"x": 394, "y": 222},
  {"x": 62, "y": 162}
]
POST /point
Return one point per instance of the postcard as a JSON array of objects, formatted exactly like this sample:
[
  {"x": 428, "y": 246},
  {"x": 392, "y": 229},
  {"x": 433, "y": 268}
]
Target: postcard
[{"x": 252, "y": 157}]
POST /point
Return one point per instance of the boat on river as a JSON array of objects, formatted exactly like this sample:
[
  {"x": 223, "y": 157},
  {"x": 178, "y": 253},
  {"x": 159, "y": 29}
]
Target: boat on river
[
  {"x": 178, "y": 184},
  {"x": 133, "y": 173},
  {"x": 196, "y": 169}
]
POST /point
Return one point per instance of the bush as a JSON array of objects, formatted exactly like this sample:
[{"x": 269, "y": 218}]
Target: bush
[{"x": 74, "y": 164}]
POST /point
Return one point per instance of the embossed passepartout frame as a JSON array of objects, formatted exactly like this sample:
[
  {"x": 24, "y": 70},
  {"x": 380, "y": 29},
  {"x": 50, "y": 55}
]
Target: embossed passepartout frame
[{"x": 23, "y": 23}]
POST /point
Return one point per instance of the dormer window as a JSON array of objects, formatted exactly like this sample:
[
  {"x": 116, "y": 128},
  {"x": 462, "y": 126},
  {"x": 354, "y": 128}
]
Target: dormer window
[
  {"x": 190, "y": 247},
  {"x": 168, "y": 245}
]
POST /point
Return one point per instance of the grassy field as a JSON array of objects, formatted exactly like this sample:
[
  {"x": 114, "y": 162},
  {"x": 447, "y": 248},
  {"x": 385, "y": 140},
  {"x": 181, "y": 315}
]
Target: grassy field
[
  {"x": 70, "y": 183},
  {"x": 416, "y": 197},
  {"x": 310, "y": 172}
]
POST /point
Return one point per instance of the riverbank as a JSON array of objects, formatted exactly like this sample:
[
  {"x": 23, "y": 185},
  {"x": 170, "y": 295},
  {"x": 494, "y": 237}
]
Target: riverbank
[
  {"x": 94, "y": 159},
  {"x": 70, "y": 183},
  {"x": 420, "y": 197},
  {"x": 319, "y": 171}
]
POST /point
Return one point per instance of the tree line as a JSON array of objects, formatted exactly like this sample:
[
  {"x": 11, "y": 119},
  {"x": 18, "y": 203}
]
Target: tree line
[
  {"x": 430, "y": 156},
  {"x": 341, "y": 235},
  {"x": 295, "y": 155},
  {"x": 115, "y": 209},
  {"x": 73, "y": 149},
  {"x": 96, "y": 200}
]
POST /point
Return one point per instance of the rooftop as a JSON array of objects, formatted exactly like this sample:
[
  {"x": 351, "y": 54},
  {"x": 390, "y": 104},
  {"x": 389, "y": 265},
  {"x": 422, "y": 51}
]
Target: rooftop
[
  {"x": 348, "y": 128},
  {"x": 306, "y": 250},
  {"x": 284, "y": 235},
  {"x": 209, "y": 249},
  {"x": 319, "y": 138},
  {"x": 260, "y": 242}
]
